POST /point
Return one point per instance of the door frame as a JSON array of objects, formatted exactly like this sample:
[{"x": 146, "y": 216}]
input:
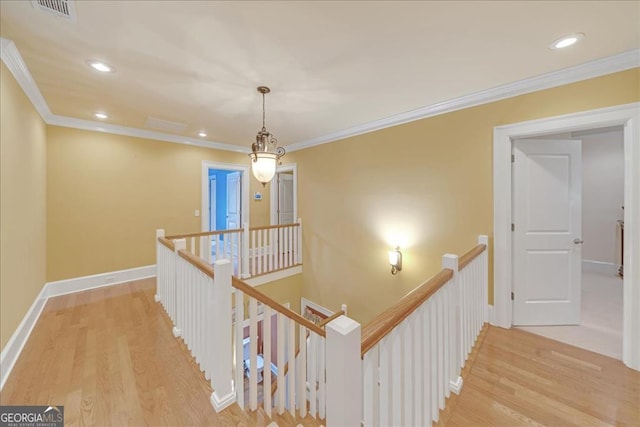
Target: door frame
[
  {"x": 212, "y": 193},
  {"x": 273, "y": 199},
  {"x": 204, "y": 199},
  {"x": 628, "y": 116}
]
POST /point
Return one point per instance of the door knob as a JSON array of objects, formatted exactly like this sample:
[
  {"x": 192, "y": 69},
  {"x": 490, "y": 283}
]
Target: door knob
[{"x": 578, "y": 241}]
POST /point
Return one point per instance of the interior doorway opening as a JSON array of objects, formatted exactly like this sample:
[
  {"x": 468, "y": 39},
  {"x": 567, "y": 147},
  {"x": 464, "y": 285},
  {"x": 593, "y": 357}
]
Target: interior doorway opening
[
  {"x": 600, "y": 285},
  {"x": 225, "y": 196},
  {"x": 284, "y": 195}
]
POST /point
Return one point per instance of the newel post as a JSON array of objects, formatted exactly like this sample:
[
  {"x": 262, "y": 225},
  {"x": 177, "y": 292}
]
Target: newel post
[
  {"x": 343, "y": 372},
  {"x": 159, "y": 233},
  {"x": 454, "y": 320},
  {"x": 245, "y": 251},
  {"x": 177, "y": 288},
  {"x": 221, "y": 377}
]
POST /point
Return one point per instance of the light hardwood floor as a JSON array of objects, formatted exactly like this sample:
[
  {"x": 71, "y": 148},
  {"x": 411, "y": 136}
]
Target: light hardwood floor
[
  {"x": 109, "y": 356},
  {"x": 518, "y": 378}
]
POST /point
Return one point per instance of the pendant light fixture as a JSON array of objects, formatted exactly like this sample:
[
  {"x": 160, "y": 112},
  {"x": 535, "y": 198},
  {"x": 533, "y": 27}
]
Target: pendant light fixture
[{"x": 265, "y": 151}]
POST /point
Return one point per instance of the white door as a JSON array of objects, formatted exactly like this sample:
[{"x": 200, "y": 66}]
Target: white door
[
  {"x": 547, "y": 193},
  {"x": 285, "y": 198},
  {"x": 233, "y": 200}
]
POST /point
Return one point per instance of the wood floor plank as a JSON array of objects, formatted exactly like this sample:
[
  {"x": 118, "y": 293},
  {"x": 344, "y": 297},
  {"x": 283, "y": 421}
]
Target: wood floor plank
[{"x": 519, "y": 378}]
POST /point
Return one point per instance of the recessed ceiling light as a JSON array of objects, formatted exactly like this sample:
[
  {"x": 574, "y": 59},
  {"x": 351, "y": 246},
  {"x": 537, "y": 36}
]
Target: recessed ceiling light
[
  {"x": 100, "y": 66},
  {"x": 566, "y": 41},
  {"x": 202, "y": 134},
  {"x": 101, "y": 116}
]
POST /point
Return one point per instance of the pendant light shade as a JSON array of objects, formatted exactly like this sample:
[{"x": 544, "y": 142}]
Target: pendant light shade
[{"x": 265, "y": 151}]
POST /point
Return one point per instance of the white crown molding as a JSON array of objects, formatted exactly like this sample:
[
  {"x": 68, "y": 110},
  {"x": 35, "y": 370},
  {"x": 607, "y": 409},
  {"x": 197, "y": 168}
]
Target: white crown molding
[
  {"x": 588, "y": 70},
  {"x": 95, "y": 126},
  {"x": 620, "y": 62},
  {"x": 13, "y": 60}
]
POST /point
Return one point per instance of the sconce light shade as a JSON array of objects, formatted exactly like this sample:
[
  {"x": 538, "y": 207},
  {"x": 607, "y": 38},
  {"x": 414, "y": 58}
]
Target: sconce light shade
[{"x": 395, "y": 259}]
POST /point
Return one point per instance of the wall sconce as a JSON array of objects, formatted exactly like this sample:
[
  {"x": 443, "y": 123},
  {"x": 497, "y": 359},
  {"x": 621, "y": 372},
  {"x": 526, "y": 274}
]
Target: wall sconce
[{"x": 395, "y": 259}]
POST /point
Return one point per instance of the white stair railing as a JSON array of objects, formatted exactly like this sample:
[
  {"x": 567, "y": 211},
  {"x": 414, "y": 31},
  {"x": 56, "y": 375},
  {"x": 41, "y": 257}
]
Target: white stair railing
[
  {"x": 413, "y": 352},
  {"x": 300, "y": 379},
  {"x": 275, "y": 247}
]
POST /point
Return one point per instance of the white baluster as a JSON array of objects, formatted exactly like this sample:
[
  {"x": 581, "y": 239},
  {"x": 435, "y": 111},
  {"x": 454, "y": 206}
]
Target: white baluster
[
  {"x": 433, "y": 360},
  {"x": 245, "y": 251},
  {"x": 441, "y": 349},
  {"x": 417, "y": 359},
  {"x": 253, "y": 352},
  {"x": 254, "y": 254},
  {"x": 322, "y": 402},
  {"x": 239, "y": 380},
  {"x": 299, "y": 259},
  {"x": 396, "y": 379},
  {"x": 266, "y": 346},
  {"x": 386, "y": 375},
  {"x": 371, "y": 388},
  {"x": 259, "y": 251},
  {"x": 312, "y": 363},
  {"x": 301, "y": 372},
  {"x": 425, "y": 319},
  {"x": 177, "y": 293},
  {"x": 281, "y": 361},
  {"x": 280, "y": 246},
  {"x": 291, "y": 375},
  {"x": 160, "y": 263},
  {"x": 408, "y": 360}
]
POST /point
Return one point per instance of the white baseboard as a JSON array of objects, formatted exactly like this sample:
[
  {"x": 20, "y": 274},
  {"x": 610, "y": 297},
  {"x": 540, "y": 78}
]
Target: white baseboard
[
  {"x": 491, "y": 315},
  {"x": 600, "y": 267},
  {"x": 14, "y": 346},
  {"x": 456, "y": 386},
  {"x": 79, "y": 284},
  {"x": 276, "y": 275}
]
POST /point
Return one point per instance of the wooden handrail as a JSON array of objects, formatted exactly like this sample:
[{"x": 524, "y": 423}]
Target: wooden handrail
[
  {"x": 254, "y": 293},
  {"x": 270, "y": 227},
  {"x": 205, "y": 233},
  {"x": 470, "y": 255},
  {"x": 166, "y": 242},
  {"x": 324, "y": 322},
  {"x": 384, "y": 323},
  {"x": 197, "y": 262}
]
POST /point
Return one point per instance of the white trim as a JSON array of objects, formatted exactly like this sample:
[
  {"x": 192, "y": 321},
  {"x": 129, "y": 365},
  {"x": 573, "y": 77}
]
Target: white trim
[
  {"x": 627, "y": 115},
  {"x": 491, "y": 315},
  {"x": 600, "y": 267},
  {"x": 14, "y": 346},
  {"x": 308, "y": 303},
  {"x": 456, "y": 386},
  {"x": 276, "y": 275},
  {"x": 91, "y": 125},
  {"x": 599, "y": 67},
  {"x": 273, "y": 203},
  {"x": 221, "y": 402},
  {"x": 588, "y": 70},
  {"x": 13, "y": 60},
  {"x": 79, "y": 284},
  {"x": 204, "y": 195}
]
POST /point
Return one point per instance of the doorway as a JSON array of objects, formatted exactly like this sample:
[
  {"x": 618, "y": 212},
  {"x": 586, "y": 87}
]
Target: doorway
[
  {"x": 225, "y": 196},
  {"x": 579, "y": 299},
  {"x": 627, "y": 116},
  {"x": 284, "y": 195}
]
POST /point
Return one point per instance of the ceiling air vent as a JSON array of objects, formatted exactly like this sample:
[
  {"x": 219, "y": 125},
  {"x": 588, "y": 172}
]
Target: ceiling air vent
[{"x": 61, "y": 8}]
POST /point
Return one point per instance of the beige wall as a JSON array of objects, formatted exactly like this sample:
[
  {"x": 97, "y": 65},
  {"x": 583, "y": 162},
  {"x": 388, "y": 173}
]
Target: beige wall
[
  {"x": 425, "y": 185},
  {"x": 107, "y": 194},
  {"x": 22, "y": 204}
]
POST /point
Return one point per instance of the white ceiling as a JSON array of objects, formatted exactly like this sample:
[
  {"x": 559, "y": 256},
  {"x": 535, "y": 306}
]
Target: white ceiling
[{"x": 331, "y": 65}]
